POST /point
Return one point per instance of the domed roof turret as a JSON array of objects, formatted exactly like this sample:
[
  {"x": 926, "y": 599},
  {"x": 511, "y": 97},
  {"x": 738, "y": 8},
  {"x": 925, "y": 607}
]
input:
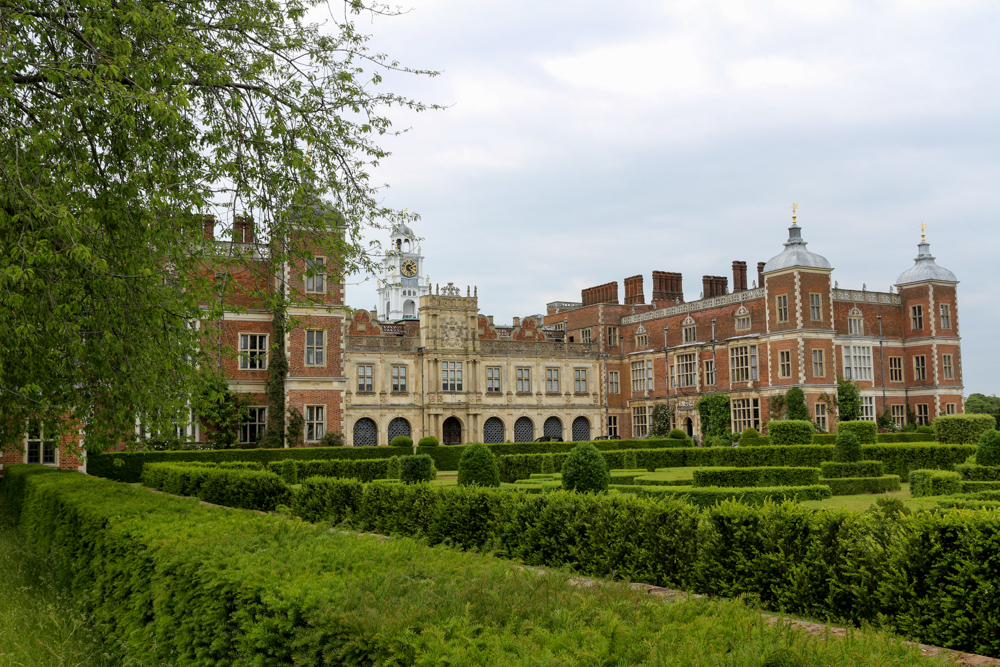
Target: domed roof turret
[
  {"x": 795, "y": 254},
  {"x": 402, "y": 230},
  {"x": 925, "y": 268}
]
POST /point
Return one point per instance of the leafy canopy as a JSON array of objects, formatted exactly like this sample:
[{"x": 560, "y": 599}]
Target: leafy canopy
[{"x": 123, "y": 125}]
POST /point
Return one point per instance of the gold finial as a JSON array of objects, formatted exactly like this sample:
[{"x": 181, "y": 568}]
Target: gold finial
[
  {"x": 923, "y": 232},
  {"x": 795, "y": 207}
]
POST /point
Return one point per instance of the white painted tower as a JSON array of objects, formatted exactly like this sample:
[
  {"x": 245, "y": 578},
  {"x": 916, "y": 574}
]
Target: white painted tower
[{"x": 403, "y": 281}]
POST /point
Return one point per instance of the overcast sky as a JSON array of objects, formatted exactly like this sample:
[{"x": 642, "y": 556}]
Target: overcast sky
[{"x": 585, "y": 142}]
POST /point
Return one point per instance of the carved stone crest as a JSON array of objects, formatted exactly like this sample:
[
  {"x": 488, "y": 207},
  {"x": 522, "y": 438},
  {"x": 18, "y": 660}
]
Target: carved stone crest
[{"x": 452, "y": 332}]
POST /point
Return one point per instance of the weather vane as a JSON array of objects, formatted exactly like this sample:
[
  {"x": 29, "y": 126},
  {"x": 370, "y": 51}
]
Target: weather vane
[
  {"x": 795, "y": 207},
  {"x": 923, "y": 232}
]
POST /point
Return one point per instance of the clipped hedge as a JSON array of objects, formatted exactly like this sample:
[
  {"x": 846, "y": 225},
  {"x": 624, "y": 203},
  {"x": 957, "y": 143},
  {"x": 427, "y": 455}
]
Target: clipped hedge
[
  {"x": 363, "y": 470},
  {"x": 880, "y": 438},
  {"x": 416, "y": 469},
  {"x": 585, "y": 470},
  {"x": 757, "y": 477},
  {"x": 232, "y": 487},
  {"x": 790, "y": 432},
  {"x": 898, "y": 459},
  {"x": 961, "y": 429},
  {"x": 971, "y": 472},
  {"x": 866, "y": 431},
  {"x": 478, "y": 467},
  {"x": 934, "y": 483},
  {"x": 851, "y": 486},
  {"x": 709, "y": 496},
  {"x": 838, "y": 470}
]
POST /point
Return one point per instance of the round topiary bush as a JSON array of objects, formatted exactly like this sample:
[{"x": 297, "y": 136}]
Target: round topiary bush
[
  {"x": 428, "y": 441},
  {"x": 402, "y": 441},
  {"x": 988, "y": 450},
  {"x": 677, "y": 434},
  {"x": 847, "y": 448},
  {"x": 419, "y": 468},
  {"x": 478, "y": 467},
  {"x": 749, "y": 437},
  {"x": 585, "y": 470},
  {"x": 925, "y": 429}
]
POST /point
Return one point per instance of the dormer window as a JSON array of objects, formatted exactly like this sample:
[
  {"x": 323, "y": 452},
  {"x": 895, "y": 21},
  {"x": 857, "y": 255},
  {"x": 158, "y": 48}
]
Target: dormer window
[
  {"x": 855, "y": 323},
  {"x": 641, "y": 337},
  {"x": 690, "y": 330},
  {"x": 742, "y": 319}
]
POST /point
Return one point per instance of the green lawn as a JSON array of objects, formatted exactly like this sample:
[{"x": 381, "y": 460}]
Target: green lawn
[{"x": 39, "y": 625}]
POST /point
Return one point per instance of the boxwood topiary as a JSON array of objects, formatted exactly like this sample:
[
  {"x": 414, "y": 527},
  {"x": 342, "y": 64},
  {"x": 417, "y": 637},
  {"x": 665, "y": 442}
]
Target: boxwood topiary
[
  {"x": 749, "y": 437},
  {"x": 847, "y": 448},
  {"x": 585, "y": 470},
  {"x": 866, "y": 431},
  {"x": 419, "y": 468},
  {"x": 428, "y": 441},
  {"x": 402, "y": 441},
  {"x": 677, "y": 434},
  {"x": 962, "y": 429},
  {"x": 988, "y": 450},
  {"x": 478, "y": 467},
  {"x": 790, "y": 432}
]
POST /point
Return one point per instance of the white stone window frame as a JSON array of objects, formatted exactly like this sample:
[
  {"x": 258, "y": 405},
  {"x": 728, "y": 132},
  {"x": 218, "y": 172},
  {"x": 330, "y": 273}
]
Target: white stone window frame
[
  {"x": 494, "y": 380},
  {"x": 868, "y": 409},
  {"x": 857, "y": 361},
  {"x": 917, "y": 317},
  {"x": 366, "y": 377},
  {"x": 315, "y": 422},
  {"x": 585, "y": 336},
  {"x": 819, "y": 410},
  {"x": 743, "y": 363},
  {"x": 552, "y": 380},
  {"x": 947, "y": 367},
  {"x": 781, "y": 307},
  {"x": 398, "y": 378},
  {"x": 815, "y": 307},
  {"x": 250, "y": 350},
  {"x": 640, "y": 421},
  {"x": 895, "y": 369},
  {"x": 612, "y": 425},
  {"x": 35, "y": 440},
  {"x": 687, "y": 370},
  {"x": 638, "y": 376},
  {"x": 612, "y": 336},
  {"x": 523, "y": 378},
  {"x": 614, "y": 382},
  {"x": 710, "y": 372},
  {"x": 581, "y": 383},
  {"x": 452, "y": 376},
  {"x": 318, "y": 350},
  {"x": 945, "y": 312},
  {"x": 784, "y": 364},
  {"x": 742, "y": 319},
  {"x": 315, "y": 284},
  {"x": 819, "y": 363}
]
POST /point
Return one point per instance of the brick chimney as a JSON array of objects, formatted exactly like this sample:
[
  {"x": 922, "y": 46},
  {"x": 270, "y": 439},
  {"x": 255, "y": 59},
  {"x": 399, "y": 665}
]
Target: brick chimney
[
  {"x": 243, "y": 230},
  {"x": 633, "y": 290},
  {"x": 739, "y": 276},
  {"x": 209, "y": 225},
  {"x": 606, "y": 293},
  {"x": 760, "y": 273}
]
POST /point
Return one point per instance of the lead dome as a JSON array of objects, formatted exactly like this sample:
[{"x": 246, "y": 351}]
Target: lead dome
[
  {"x": 925, "y": 268},
  {"x": 795, "y": 254}
]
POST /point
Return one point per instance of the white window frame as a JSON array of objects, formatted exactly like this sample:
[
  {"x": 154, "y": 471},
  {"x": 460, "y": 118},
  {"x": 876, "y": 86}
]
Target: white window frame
[
  {"x": 552, "y": 380},
  {"x": 949, "y": 409},
  {"x": 899, "y": 415},
  {"x": 923, "y": 414},
  {"x": 868, "y": 408},
  {"x": 690, "y": 333},
  {"x": 641, "y": 339},
  {"x": 523, "y": 380},
  {"x": 858, "y": 362},
  {"x": 253, "y": 357},
  {"x": 366, "y": 378},
  {"x": 710, "y": 372},
  {"x": 315, "y": 422},
  {"x": 640, "y": 421},
  {"x": 820, "y": 411},
  {"x": 687, "y": 370},
  {"x": 580, "y": 381},
  {"x": 612, "y": 336},
  {"x": 743, "y": 363},
  {"x": 855, "y": 326},
  {"x": 947, "y": 367},
  {"x": 815, "y": 307},
  {"x": 398, "y": 378},
  {"x": 614, "y": 383},
  {"x": 316, "y": 284},
  {"x": 745, "y": 413},
  {"x": 781, "y": 306},
  {"x": 44, "y": 448},
  {"x": 317, "y": 350},
  {"x": 784, "y": 364},
  {"x": 585, "y": 336},
  {"x": 819, "y": 363},
  {"x": 451, "y": 376},
  {"x": 638, "y": 373},
  {"x": 945, "y": 316},
  {"x": 493, "y": 380}
]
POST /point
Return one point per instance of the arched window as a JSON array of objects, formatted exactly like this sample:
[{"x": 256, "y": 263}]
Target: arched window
[
  {"x": 398, "y": 426},
  {"x": 365, "y": 433},
  {"x": 553, "y": 428},
  {"x": 581, "y": 429},
  {"x": 524, "y": 430},
  {"x": 452, "y": 431},
  {"x": 409, "y": 309},
  {"x": 493, "y": 430}
]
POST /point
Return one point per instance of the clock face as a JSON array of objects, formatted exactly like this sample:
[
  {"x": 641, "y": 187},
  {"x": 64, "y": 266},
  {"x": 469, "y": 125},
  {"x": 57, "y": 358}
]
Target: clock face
[{"x": 408, "y": 268}]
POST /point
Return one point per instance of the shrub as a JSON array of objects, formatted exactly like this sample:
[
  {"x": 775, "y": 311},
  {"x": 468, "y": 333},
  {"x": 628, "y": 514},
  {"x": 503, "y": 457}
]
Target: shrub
[
  {"x": 934, "y": 483},
  {"x": 749, "y": 437},
  {"x": 414, "y": 469},
  {"x": 847, "y": 449},
  {"x": 852, "y": 486},
  {"x": 762, "y": 476},
  {"x": 677, "y": 434},
  {"x": 977, "y": 473},
  {"x": 363, "y": 471},
  {"x": 866, "y": 431},
  {"x": 848, "y": 400},
  {"x": 402, "y": 441},
  {"x": 287, "y": 469},
  {"x": 710, "y": 496},
  {"x": 962, "y": 429},
  {"x": 585, "y": 470},
  {"x": 790, "y": 432},
  {"x": 795, "y": 402},
  {"x": 428, "y": 441},
  {"x": 715, "y": 415},
  {"x": 332, "y": 439},
  {"x": 715, "y": 441},
  {"x": 988, "y": 449},
  {"x": 478, "y": 467},
  {"x": 843, "y": 470},
  {"x": 925, "y": 429}
]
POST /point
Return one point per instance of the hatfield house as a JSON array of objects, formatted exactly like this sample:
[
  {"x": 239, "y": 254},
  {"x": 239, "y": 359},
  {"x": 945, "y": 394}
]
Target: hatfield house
[{"x": 427, "y": 362}]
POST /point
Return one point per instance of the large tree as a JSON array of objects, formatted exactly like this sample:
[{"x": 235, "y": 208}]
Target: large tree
[{"x": 124, "y": 123}]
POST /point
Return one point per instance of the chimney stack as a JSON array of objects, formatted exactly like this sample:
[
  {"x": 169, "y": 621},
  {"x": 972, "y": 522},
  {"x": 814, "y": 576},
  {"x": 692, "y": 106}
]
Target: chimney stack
[
  {"x": 739, "y": 276},
  {"x": 209, "y": 223},
  {"x": 667, "y": 287},
  {"x": 760, "y": 273},
  {"x": 606, "y": 293},
  {"x": 633, "y": 290},
  {"x": 242, "y": 230}
]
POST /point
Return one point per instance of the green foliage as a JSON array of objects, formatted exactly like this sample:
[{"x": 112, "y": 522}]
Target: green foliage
[
  {"x": 224, "y": 409},
  {"x": 866, "y": 431},
  {"x": 415, "y": 469},
  {"x": 402, "y": 441},
  {"x": 677, "y": 434},
  {"x": 982, "y": 404},
  {"x": 795, "y": 400},
  {"x": 776, "y": 406},
  {"x": 978, "y": 473},
  {"x": 853, "y": 486},
  {"x": 847, "y": 449},
  {"x": 790, "y": 432},
  {"x": 934, "y": 483},
  {"x": 962, "y": 429},
  {"x": 332, "y": 439},
  {"x": 711, "y": 496},
  {"x": 478, "y": 467},
  {"x": 361, "y": 470},
  {"x": 120, "y": 126},
  {"x": 848, "y": 401},
  {"x": 233, "y": 487},
  {"x": 988, "y": 449},
  {"x": 585, "y": 470},
  {"x": 296, "y": 428},
  {"x": 768, "y": 476},
  {"x": 660, "y": 418},
  {"x": 926, "y": 430},
  {"x": 715, "y": 441},
  {"x": 428, "y": 441},
  {"x": 749, "y": 438},
  {"x": 885, "y": 421},
  {"x": 843, "y": 469},
  {"x": 715, "y": 416}
]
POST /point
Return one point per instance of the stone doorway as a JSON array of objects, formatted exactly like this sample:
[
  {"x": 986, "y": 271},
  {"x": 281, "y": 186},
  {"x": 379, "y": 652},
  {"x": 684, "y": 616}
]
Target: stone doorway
[{"x": 451, "y": 431}]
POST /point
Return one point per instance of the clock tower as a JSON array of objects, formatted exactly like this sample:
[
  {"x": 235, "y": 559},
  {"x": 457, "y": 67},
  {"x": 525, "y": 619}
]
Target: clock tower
[{"x": 402, "y": 283}]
